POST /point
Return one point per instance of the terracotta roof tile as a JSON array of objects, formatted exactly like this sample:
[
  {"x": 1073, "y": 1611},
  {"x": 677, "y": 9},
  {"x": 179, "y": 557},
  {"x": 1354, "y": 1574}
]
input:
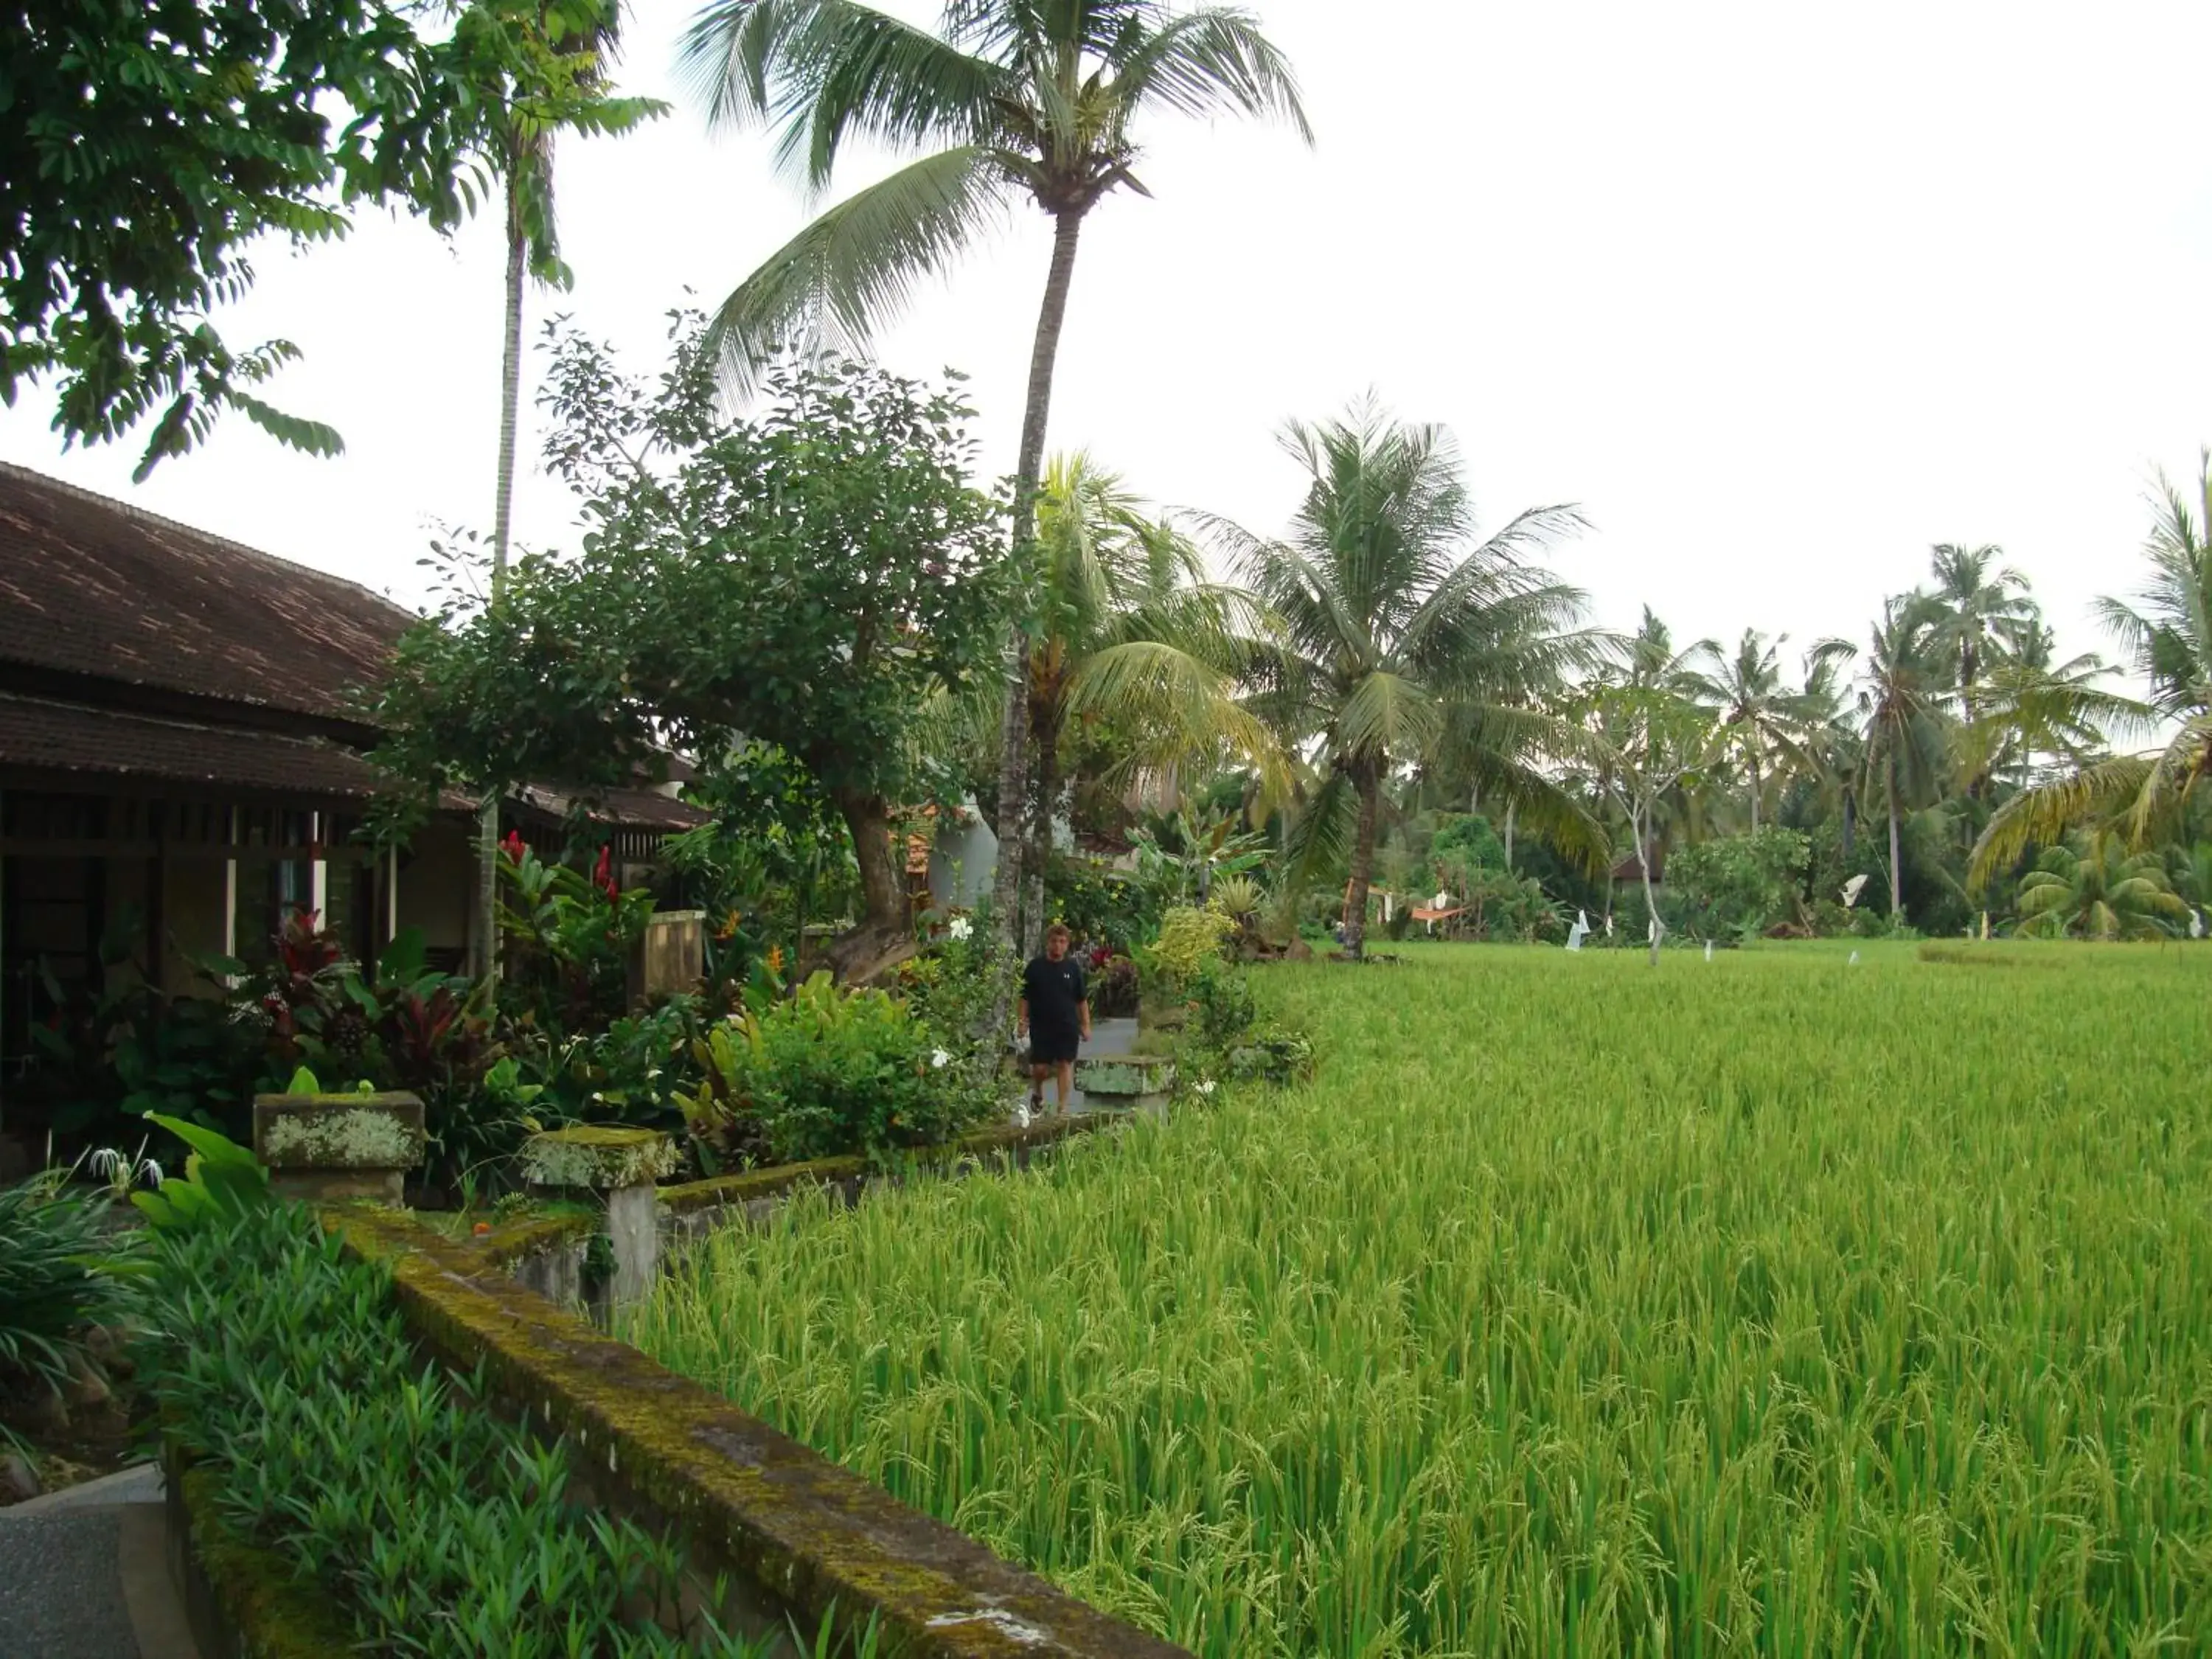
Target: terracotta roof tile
[
  {"x": 68, "y": 739},
  {"x": 93, "y": 585}
]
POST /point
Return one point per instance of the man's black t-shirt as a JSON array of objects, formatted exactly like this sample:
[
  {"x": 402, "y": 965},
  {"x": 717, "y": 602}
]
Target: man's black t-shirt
[{"x": 1054, "y": 992}]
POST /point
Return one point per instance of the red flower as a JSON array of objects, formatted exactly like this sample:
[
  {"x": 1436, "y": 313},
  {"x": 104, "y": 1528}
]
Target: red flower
[
  {"x": 603, "y": 876},
  {"x": 512, "y": 846}
]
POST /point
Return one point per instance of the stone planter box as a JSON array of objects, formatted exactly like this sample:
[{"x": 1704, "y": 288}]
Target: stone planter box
[
  {"x": 624, "y": 1165},
  {"x": 324, "y": 1147},
  {"x": 671, "y": 958},
  {"x": 1127, "y": 1083}
]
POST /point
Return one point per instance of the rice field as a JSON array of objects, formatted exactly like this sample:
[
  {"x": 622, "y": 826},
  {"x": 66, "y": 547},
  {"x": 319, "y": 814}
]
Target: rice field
[{"x": 1772, "y": 1305}]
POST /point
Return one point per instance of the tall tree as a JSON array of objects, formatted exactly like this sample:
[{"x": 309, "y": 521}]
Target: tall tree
[
  {"x": 1009, "y": 101},
  {"x": 1130, "y": 635},
  {"x": 1762, "y": 719},
  {"x": 542, "y": 64},
  {"x": 1404, "y": 638},
  {"x": 1904, "y": 717},
  {"x": 804, "y": 578},
  {"x": 2166, "y": 635},
  {"x": 1978, "y": 607}
]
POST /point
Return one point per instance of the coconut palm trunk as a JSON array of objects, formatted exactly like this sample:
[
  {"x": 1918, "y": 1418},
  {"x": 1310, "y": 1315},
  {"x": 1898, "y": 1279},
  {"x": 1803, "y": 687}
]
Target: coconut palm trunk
[
  {"x": 1014, "y": 727},
  {"x": 1044, "y": 733},
  {"x": 1367, "y": 778},
  {"x": 486, "y": 930},
  {"x": 1754, "y": 792},
  {"x": 1896, "y": 877}
]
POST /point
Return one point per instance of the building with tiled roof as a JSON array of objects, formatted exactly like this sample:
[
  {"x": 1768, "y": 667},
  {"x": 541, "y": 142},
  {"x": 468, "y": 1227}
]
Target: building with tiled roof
[{"x": 182, "y": 755}]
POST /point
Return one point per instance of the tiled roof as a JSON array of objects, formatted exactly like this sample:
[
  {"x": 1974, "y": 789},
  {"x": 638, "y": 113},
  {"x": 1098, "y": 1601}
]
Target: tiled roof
[
  {"x": 67, "y": 738},
  {"x": 634, "y": 809},
  {"x": 96, "y": 586}
]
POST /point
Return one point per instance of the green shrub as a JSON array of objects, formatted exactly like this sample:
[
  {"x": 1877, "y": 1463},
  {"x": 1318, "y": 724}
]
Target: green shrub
[
  {"x": 54, "y": 1281},
  {"x": 1189, "y": 939},
  {"x": 1737, "y": 883},
  {"x": 830, "y": 1072},
  {"x": 434, "y": 1527}
]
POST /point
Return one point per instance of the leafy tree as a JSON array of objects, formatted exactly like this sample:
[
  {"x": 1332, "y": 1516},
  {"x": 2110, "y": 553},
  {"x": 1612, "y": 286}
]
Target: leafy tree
[
  {"x": 1009, "y": 101},
  {"x": 1739, "y": 884},
  {"x": 2099, "y": 892},
  {"x": 150, "y": 141},
  {"x": 1400, "y": 641},
  {"x": 804, "y": 579},
  {"x": 2167, "y": 636},
  {"x": 1649, "y": 741}
]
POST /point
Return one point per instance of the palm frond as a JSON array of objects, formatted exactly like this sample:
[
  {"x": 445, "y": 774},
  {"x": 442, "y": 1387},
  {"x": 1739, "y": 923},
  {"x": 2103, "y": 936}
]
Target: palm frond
[
  {"x": 1210, "y": 61},
  {"x": 836, "y": 283}
]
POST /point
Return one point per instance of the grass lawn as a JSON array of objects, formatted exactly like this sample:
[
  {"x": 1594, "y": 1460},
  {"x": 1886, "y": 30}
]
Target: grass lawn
[{"x": 1777, "y": 1304}]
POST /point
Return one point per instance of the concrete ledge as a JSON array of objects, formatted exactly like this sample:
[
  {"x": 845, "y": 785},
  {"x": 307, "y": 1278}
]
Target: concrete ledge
[
  {"x": 240, "y": 1600},
  {"x": 803, "y": 1532}
]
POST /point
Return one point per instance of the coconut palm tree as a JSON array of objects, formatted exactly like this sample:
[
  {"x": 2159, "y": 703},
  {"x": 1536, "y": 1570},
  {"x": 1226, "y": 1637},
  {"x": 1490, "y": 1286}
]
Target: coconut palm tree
[
  {"x": 2099, "y": 892},
  {"x": 1764, "y": 721},
  {"x": 1009, "y": 101},
  {"x": 2167, "y": 636},
  {"x": 1976, "y": 608},
  {"x": 544, "y": 64},
  {"x": 1402, "y": 639},
  {"x": 1132, "y": 637},
  {"x": 1904, "y": 718}
]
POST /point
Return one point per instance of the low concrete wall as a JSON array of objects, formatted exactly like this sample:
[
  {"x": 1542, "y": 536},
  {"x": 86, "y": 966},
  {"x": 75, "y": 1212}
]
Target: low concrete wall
[
  {"x": 795, "y": 1533},
  {"x": 240, "y": 1600},
  {"x": 551, "y": 1256}
]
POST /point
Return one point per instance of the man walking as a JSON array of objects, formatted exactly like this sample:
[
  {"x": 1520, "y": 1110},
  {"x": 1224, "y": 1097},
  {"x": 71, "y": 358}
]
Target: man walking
[{"x": 1055, "y": 1012}]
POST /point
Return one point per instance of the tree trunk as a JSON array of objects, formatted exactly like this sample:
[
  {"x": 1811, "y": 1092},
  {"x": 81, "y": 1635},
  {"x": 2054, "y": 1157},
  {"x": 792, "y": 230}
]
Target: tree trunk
[
  {"x": 1369, "y": 782},
  {"x": 1044, "y": 732},
  {"x": 1658, "y": 928},
  {"x": 485, "y": 940},
  {"x": 884, "y": 933},
  {"x": 1896, "y": 874},
  {"x": 1029, "y": 469},
  {"x": 1509, "y": 806},
  {"x": 1754, "y": 794},
  {"x": 1850, "y": 816}
]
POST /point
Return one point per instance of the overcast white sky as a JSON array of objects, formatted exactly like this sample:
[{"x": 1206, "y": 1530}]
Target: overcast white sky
[{"x": 1780, "y": 294}]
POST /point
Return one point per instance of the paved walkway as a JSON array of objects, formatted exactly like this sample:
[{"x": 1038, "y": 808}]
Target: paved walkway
[
  {"x": 84, "y": 1574},
  {"x": 1108, "y": 1036}
]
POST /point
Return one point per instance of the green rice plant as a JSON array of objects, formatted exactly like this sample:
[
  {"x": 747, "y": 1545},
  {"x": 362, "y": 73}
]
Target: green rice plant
[{"x": 1788, "y": 1304}]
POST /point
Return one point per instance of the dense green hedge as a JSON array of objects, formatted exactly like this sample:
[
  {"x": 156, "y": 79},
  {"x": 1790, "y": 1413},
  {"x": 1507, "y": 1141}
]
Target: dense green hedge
[{"x": 282, "y": 1369}]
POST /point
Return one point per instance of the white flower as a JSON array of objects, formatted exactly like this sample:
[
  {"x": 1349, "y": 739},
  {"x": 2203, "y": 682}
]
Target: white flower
[
  {"x": 1205, "y": 1087},
  {"x": 1022, "y": 1116},
  {"x": 151, "y": 1171},
  {"x": 960, "y": 928},
  {"x": 938, "y": 1059}
]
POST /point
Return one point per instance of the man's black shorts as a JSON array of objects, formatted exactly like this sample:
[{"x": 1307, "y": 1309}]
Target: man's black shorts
[{"x": 1051, "y": 1047}]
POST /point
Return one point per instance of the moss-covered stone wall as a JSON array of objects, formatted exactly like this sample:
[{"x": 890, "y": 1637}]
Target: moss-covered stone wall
[{"x": 797, "y": 1531}]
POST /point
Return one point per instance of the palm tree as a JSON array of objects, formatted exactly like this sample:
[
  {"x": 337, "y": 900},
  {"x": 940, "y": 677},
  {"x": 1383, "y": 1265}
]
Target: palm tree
[
  {"x": 546, "y": 58},
  {"x": 1400, "y": 641},
  {"x": 2167, "y": 636},
  {"x": 1132, "y": 636},
  {"x": 2099, "y": 893},
  {"x": 1764, "y": 719},
  {"x": 1009, "y": 101},
  {"x": 1976, "y": 608},
  {"x": 1904, "y": 722}
]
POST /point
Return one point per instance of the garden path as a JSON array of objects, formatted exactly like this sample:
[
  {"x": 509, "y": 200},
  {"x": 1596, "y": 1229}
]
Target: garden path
[
  {"x": 1108, "y": 1036},
  {"x": 84, "y": 1574}
]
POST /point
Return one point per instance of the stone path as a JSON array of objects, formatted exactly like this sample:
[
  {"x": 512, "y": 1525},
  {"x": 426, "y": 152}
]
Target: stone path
[
  {"x": 84, "y": 1574},
  {"x": 1108, "y": 1036}
]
